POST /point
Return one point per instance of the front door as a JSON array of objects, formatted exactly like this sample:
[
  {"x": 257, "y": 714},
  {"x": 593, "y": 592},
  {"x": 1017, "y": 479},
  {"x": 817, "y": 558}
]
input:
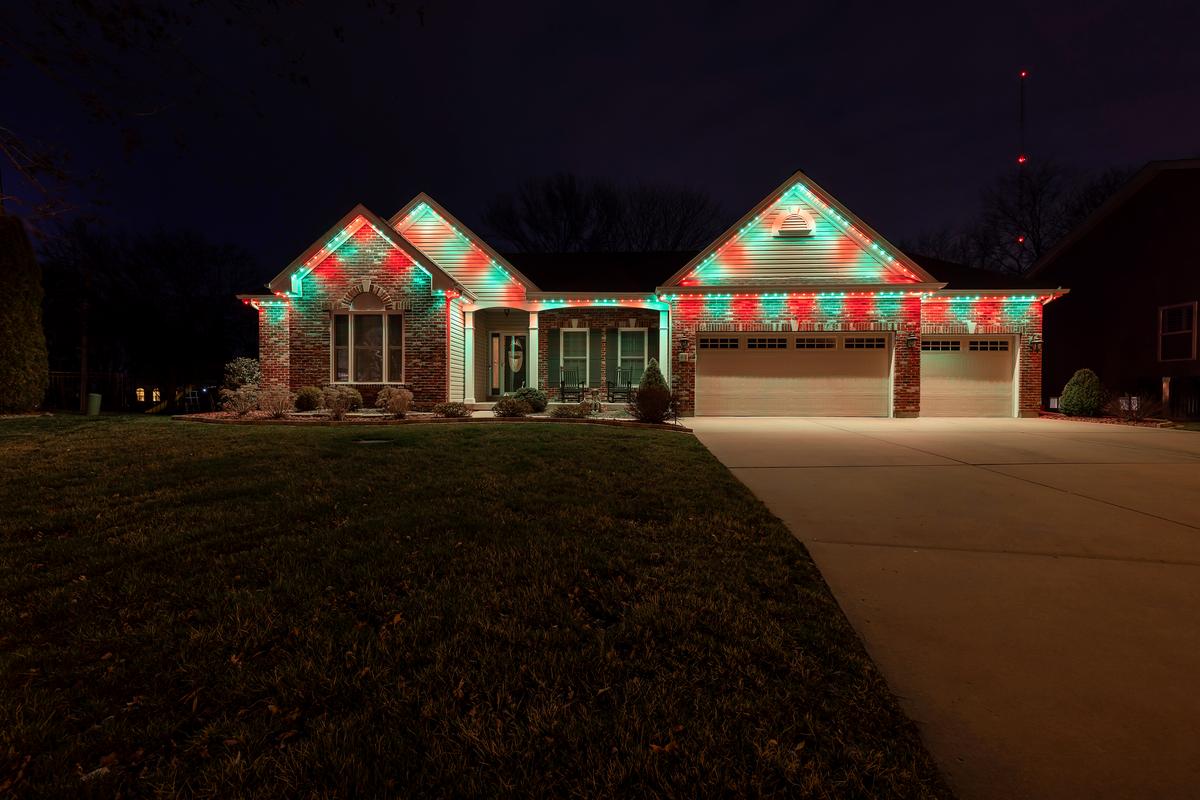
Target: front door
[{"x": 508, "y": 363}]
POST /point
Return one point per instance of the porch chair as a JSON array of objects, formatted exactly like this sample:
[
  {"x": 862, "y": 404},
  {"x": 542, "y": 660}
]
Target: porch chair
[
  {"x": 570, "y": 386},
  {"x": 620, "y": 389}
]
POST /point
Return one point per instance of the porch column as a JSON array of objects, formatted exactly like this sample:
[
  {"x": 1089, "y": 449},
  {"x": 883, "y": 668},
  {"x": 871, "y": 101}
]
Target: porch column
[
  {"x": 531, "y": 371},
  {"x": 664, "y": 344},
  {"x": 468, "y": 356}
]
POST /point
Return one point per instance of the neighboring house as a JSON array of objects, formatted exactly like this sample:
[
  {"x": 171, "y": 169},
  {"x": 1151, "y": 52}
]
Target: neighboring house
[
  {"x": 1134, "y": 275},
  {"x": 800, "y": 308}
]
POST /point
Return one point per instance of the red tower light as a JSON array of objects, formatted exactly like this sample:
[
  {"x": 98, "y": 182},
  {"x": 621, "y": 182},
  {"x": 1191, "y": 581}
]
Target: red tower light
[
  {"x": 1024, "y": 73},
  {"x": 1021, "y": 239},
  {"x": 1022, "y": 158}
]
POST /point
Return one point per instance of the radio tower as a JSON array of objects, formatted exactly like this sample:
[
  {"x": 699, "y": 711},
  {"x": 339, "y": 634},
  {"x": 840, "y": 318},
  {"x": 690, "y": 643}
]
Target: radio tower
[{"x": 1022, "y": 160}]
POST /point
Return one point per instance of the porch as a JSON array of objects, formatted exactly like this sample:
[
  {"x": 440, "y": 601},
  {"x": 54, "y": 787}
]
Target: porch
[{"x": 594, "y": 344}]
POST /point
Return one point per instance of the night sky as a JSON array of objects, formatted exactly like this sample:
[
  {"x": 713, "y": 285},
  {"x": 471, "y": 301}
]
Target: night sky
[{"x": 904, "y": 113}]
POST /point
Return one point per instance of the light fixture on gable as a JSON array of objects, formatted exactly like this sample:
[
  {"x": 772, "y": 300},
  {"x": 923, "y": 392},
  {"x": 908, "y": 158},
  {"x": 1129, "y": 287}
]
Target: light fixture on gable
[{"x": 793, "y": 222}]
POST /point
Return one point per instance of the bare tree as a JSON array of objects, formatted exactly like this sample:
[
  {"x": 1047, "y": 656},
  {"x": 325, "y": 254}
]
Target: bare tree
[
  {"x": 1022, "y": 216},
  {"x": 564, "y": 213}
]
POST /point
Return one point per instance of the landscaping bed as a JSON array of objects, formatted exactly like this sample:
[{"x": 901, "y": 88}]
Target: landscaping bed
[
  {"x": 454, "y": 610},
  {"x": 1110, "y": 420},
  {"x": 413, "y": 418}
]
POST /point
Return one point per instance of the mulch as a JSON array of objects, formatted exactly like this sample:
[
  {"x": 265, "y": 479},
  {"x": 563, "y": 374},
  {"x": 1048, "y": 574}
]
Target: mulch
[
  {"x": 261, "y": 418},
  {"x": 1144, "y": 423}
]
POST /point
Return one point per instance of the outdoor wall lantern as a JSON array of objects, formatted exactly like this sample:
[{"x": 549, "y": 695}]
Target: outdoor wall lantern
[
  {"x": 911, "y": 341},
  {"x": 1035, "y": 344}
]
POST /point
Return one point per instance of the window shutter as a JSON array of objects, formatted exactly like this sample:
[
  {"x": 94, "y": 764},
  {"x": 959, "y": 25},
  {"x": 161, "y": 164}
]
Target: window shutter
[
  {"x": 652, "y": 346},
  {"x": 594, "y": 358},
  {"x": 611, "y": 372},
  {"x": 552, "y": 360}
]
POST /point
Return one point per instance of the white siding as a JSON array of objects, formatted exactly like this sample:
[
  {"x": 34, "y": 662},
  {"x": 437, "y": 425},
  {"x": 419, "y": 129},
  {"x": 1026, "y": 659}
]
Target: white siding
[
  {"x": 469, "y": 265},
  {"x": 457, "y": 354},
  {"x": 829, "y": 255}
]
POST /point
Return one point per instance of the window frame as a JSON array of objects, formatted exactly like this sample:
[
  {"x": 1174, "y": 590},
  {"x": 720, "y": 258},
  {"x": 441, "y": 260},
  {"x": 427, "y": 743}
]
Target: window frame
[
  {"x": 645, "y": 350},
  {"x": 587, "y": 353},
  {"x": 1161, "y": 333},
  {"x": 385, "y": 346}
]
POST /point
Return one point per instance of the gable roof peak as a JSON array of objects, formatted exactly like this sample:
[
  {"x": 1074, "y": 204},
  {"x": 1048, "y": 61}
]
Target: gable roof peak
[{"x": 890, "y": 258}]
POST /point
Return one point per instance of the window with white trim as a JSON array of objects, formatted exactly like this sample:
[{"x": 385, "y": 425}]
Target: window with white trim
[
  {"x": 815, "y": 342},
  {"x": 1177, "y": 332},
  {"x": 993, "y": 345},
  {"x": 631, "y": 351},
  {"x": 574, "y": 352},
  {"x": 368, "y": 343},
  {"x": 864, "y": 342},
  {"x": 943, "y": 345},
  {"x": 718, "y": 343}
]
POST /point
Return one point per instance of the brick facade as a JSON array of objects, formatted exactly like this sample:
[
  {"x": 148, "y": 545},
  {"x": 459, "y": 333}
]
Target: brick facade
[
  {"x": 900, "y": 316},
  {"x": 295, "y": 341},
  {"x": 604, "y": 319}
]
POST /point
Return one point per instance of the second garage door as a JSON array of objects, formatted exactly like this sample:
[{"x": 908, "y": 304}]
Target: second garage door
[
  {"x": 967, "y": 376},
  {"x": 793, "y": 374}
]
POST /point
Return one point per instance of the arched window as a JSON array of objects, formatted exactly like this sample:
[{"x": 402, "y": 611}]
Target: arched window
[{"x": 368, "y": 342}]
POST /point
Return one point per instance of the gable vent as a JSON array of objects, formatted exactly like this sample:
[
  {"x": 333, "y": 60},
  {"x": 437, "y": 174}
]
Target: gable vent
[{"x": 792, "y": 223}]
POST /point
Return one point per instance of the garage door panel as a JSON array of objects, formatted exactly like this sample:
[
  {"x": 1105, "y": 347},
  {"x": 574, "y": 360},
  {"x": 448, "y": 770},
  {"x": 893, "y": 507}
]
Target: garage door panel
[
  {"x": 967, "y": 381},
  {"x": 793, "y": 381}
]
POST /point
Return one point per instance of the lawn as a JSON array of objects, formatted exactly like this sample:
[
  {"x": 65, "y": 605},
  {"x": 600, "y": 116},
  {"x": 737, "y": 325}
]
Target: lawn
[{"x": 454, "y": 610}]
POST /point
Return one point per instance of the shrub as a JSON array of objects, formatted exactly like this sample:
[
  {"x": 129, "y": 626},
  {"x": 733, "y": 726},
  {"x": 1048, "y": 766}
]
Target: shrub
[
  {"x": 652, "y": 400},
  {"x": 574, "y": 411},
  {"x": 395, "y": 400},
  {"x": 242, "y": 372},
  {"x": 276, "y": 401},
  {"x": 536, "y": 398},
  {"x": 241, "y": 400},
  {"x": 24, "y": 363},
  {"x": 1083, "y": 396},
  {"x": 340, "y": 399},
  {"x": 511, "y": 407},
  {"x": 451, "y": 410},
  {"x": 309, "y": 398}
]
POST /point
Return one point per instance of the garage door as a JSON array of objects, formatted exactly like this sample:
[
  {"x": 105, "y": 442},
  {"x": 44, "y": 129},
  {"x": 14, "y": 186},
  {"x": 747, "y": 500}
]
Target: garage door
[
  {"x": 967, "y": 376},
  {"x": 793, "y": 374}
]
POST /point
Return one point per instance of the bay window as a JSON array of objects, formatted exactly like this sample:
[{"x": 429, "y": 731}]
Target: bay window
[{"x": 368, "y": 343}]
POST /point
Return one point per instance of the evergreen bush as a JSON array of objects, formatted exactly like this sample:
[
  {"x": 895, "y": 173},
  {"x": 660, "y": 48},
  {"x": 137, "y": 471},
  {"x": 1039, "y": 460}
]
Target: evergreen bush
[{"x": 1083, "y": 396}]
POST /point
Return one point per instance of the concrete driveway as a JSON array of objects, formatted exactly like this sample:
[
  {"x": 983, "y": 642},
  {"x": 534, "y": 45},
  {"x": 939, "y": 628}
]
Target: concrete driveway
[{"x": 1030, "y": 588}]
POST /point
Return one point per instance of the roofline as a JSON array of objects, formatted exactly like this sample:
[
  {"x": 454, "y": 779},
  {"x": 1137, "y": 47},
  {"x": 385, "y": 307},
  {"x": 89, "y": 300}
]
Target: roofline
[
  {"x": 1131, "y": 187},
  {"x": 800, "y": 177},
  {"x": 1059, "y": 292},
  {"x": 440, "y": 210},
  {"x": 283, "y": 281},
  {"x": 806, "y": 289},
  {"x": 646, "y": 295}
]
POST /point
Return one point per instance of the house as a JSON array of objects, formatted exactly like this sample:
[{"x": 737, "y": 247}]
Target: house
[
  {"x": 1132, "y": 312},
  {"x": 800, "y": 308}
]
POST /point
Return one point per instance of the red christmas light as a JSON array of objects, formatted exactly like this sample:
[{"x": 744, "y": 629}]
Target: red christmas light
[
  {"x": 1024, "y": 73},
  {"x": 1021, "y": 239},
  {"x": 1022, "y": 158}
]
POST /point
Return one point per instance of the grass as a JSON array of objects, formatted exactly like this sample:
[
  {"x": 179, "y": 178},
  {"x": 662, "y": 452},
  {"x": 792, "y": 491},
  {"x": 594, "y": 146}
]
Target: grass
[{"x": 464, "y": 610}]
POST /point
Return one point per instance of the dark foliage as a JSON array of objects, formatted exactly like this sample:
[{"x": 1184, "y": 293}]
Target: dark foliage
[
  {"x": 567, "y": 214},
  {"x": 24, "y": 366},
  {"x": 651, "y": 401},
  {"x": 1022, "y": 216},
  {"x": 536, "y": 398},
  {"x": 309, "y": 398},
  {"x": 451, "y": 410},
  {"x": 160, "y": 308},
  {"x": 1083, "y": 396},
  {"x": 511, "y": 407}
]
